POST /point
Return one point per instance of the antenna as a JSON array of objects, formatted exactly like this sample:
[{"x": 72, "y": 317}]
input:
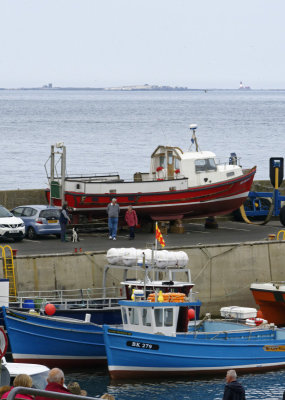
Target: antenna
[{"x": 193, "y": 128}]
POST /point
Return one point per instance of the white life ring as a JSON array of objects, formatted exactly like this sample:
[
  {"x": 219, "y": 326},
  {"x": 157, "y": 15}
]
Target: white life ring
[{"x": 255, "y": 321}]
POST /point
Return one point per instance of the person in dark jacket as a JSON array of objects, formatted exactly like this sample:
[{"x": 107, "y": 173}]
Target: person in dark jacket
[
  {"x": 55, "y": 381},
  {"x": 113, "y": 211},
  {"x": 233, "y": 389},
  {"x": 63, "y": 220}
]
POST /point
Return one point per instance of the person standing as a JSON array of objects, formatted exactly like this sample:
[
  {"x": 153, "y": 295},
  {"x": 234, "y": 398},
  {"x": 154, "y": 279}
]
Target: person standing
[
  {"x": 132, "y": 221},
  {"x": 63, "y": 220},
  {"x": 233, "y": 389},
  {"x": 113, "y": 211}
]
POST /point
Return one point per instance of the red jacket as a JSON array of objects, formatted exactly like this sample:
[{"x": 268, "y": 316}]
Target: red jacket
[
  {"x": 18, "y": 396},
  {"x": 131, "y": 218},
  {"x": 53, "y": 387}
]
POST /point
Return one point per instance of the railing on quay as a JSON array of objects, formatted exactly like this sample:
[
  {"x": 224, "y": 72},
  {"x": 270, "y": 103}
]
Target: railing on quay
[{"x": 45, "y": 393}]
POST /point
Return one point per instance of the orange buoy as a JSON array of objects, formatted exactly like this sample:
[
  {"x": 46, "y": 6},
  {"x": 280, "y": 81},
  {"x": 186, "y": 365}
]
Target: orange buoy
[{"x": 50, "y": 309}]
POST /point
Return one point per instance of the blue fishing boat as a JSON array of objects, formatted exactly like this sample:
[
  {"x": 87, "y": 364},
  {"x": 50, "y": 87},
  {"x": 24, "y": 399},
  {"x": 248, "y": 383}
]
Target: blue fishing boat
[
  {"x": 54, "y": 341},
  {"x": 156, "y": 340}
]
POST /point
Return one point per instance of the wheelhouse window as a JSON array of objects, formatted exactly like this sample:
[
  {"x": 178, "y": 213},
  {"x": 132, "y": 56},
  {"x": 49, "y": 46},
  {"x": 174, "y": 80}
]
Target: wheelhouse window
[
  {"x": 146, "y": 316},
  {"x": 168, "y": 316},
  {"x": 211, "y": 164},
  {"x": 205, "y": 165},
  {"x": 134, "y": 316},
  {"x": 124, "y": 316},
  {"x": 158, "y": 316}
]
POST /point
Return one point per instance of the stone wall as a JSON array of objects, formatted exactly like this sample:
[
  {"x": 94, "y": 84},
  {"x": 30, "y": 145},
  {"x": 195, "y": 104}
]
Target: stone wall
[
  {"x": 222, "y": 273},
  {"x": 14, "y": 198}
]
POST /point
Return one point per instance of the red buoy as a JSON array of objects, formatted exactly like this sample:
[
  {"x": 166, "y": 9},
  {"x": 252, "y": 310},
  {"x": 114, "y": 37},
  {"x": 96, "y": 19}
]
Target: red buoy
[
  {"x": 50, "y": 309},
  {"x": 259, "y": 314},
  {"x": 191, "y": 314}
]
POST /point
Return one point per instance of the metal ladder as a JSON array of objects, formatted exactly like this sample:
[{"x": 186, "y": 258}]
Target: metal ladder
[{"x": 9, "y": 270}]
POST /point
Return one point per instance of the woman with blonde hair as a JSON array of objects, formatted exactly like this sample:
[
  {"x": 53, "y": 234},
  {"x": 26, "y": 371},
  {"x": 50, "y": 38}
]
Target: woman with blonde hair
[{"x": 21, "y": 380}]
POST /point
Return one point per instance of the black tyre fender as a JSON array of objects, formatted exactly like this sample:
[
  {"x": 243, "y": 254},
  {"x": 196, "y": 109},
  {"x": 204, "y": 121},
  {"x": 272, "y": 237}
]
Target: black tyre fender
[{"x": 282, "y": 215}]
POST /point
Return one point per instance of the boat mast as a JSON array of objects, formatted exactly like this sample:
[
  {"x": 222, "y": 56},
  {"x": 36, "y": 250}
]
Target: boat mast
[{"x": 193, "y": 128}]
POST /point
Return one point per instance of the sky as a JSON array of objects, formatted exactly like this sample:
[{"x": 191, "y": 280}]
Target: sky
[{"x": 102, "y": 43}]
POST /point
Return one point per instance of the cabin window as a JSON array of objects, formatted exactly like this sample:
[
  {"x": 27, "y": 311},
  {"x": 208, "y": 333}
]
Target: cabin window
[
  {"x": 211, "y": 165},
  {"x": 176, "y": 163},
  {"x": 134, "y": 316},
  {"x": 124, "y": 316},
  {"x": 200, "y": 165},
  {"x": 162, "y": 161},
  {"x": 168, "y": 316},
  {"x": 205, "y": 165},
  {"x": 170, "y": 157},
  {"x": 158, "y": 316},
  {"x": 146, "y": 316}
]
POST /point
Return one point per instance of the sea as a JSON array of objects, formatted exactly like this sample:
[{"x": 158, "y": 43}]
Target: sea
[
  {"x": 270, "y": 385},
  {"x": 117, "y": 131}
]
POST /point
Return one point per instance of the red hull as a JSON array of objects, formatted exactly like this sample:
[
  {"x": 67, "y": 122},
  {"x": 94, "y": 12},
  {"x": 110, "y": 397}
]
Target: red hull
[
  {"x": 209, "y": 200},
  {"x": 272, "y": 305}
]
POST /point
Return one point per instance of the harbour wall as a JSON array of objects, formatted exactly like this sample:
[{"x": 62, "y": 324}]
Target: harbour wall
[{"x": 222, "y": 273}]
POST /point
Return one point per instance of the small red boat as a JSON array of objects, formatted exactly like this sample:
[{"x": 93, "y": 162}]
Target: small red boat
[
  {"x": 271, "y": 299},
  {"x": 179, "y": 184}
]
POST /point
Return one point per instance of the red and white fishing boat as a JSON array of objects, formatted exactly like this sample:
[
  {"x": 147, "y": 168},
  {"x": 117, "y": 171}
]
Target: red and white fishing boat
[
  {"x": 270, "y": 297},
  {"x": 179, "y": 184}
]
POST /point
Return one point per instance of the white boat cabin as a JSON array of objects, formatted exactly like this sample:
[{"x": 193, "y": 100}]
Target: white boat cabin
[
  {"x": 156, "y": 318},
  {"x": 200, "y": 167}
]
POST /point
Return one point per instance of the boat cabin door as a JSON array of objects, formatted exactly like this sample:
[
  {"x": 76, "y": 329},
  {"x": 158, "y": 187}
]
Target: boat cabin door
[{"x": 170, "y": 164}]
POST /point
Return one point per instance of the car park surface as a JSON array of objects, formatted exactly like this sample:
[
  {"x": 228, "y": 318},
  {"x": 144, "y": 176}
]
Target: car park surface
[{"x": 195, "y": 235}]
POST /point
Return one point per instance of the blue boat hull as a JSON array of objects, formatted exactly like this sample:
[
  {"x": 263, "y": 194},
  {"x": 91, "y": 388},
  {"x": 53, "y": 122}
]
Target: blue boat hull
[
  {"x": 133, "y": 354},
  {"x": 54, "y": 342}
]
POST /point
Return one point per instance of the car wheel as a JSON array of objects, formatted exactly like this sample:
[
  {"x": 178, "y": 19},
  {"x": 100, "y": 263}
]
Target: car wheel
[
  {"x": 18, "y": 239},
  {"x": 31, "y": 234}
]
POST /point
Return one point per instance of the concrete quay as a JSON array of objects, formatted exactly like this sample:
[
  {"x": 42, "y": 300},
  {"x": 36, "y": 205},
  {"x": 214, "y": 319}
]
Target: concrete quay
[{"x": 223, "y": 262}]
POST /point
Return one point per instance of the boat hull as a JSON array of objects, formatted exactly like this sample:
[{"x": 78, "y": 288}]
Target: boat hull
[
  {"x": 271, "y": 302},
  {"x": 207, "y": 200},
  {"x": 132, "y": 354},
  {"x": 54, "y": 342}
]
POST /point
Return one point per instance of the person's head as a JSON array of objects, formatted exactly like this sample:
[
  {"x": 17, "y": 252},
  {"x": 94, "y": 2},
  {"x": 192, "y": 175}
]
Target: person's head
[
  {"x": 130, "y": 208},
  {"x": 4, "y": 389},
  {"x": 56, "y": 375},
  {"x": 74, "y": 388},
  {"x": 23, "y": 380},
  {"x": 107, "y": 396},
  {"x": 114, "y": 200},
  {"x": 231, "y": 376},
  {"x": 64, "y": 206}
]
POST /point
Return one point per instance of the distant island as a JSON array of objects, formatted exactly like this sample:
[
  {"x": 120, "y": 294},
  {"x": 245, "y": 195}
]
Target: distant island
[{"x": 128, "y": 88}]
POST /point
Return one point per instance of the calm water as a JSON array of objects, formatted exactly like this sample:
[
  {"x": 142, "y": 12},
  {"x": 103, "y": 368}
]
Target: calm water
[
  {"x": 118, "y": 131},
  {"x": 270, "y": 385}
]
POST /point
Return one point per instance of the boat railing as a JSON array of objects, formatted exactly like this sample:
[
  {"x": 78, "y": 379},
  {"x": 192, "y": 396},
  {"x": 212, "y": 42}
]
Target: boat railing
[
  {"x": 90, "y": 296},
  {"x": 45, "y": 393}
]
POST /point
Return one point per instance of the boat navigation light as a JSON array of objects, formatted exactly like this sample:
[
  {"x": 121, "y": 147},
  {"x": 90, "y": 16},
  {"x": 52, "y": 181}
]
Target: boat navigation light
[{"x": 193, "y": 127}]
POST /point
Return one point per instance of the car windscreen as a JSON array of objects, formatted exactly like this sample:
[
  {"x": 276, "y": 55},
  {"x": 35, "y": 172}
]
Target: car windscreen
[
  {"x": 5, "y": 213},
  {"x": 50, "y": 214}
]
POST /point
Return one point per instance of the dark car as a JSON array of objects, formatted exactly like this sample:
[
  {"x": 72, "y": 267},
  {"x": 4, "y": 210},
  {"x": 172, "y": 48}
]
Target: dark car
[{"x": 39, "y": 220}]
